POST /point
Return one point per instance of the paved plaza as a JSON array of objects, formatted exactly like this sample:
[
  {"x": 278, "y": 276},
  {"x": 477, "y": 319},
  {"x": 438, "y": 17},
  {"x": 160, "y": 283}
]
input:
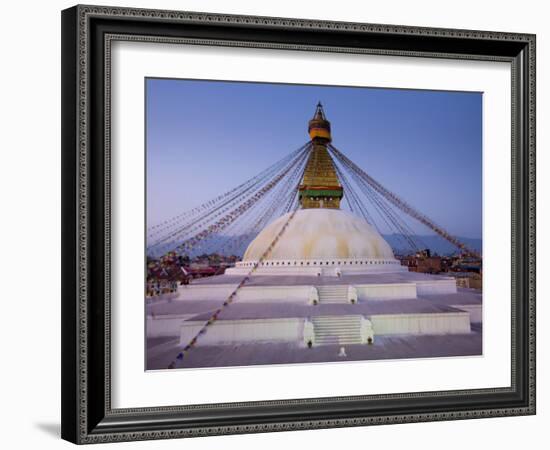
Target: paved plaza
[{"x": 163, "y": 350}]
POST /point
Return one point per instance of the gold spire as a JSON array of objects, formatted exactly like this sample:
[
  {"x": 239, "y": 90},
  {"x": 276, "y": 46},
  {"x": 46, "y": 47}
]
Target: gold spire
[
  {"x": 320, "y": 187},
  {"x": 319, "y": 126}
]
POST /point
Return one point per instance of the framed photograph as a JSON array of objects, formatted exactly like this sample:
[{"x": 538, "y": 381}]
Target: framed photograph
[{"x": 281, "y": 224}]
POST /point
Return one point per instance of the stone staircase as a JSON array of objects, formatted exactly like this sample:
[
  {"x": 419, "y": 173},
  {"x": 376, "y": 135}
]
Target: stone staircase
[
  {"x": 337, "y": 330},
  {"x": 333, "y": 294}
]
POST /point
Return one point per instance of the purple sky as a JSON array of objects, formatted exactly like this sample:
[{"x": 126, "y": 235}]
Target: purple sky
[{"x": 204, "y": 138}]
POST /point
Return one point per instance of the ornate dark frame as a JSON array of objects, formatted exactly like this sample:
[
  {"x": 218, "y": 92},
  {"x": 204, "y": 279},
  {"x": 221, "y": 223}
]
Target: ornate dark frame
[{"x": 87, "y": 32}]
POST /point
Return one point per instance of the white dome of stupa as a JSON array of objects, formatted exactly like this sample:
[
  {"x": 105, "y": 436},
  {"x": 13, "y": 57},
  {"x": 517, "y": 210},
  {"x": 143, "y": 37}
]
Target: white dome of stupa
[
  {"x": 317, "y": 234},
  {"x": 322, "y": 240}
]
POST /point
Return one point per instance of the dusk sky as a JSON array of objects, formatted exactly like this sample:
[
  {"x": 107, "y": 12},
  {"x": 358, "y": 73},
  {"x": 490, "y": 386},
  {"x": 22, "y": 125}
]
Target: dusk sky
[{"x": 205, "y": 137}]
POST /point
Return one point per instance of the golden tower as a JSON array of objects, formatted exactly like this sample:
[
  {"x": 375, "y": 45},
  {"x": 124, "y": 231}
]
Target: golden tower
[{"x": 320, "y": 187}]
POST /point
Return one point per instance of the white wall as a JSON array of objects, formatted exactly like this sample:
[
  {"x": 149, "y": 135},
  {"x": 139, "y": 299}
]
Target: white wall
[{"x": 30, "y": 221}]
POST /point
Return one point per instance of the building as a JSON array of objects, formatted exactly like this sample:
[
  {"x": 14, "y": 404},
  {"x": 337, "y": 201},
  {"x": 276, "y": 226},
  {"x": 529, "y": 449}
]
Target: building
[
  {"x": 468, "y": 280},
  {"x": 423, "y": 263}
]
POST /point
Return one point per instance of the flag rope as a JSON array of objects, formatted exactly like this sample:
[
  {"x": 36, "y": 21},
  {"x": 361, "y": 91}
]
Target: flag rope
[{"x": 179, "y": 358}]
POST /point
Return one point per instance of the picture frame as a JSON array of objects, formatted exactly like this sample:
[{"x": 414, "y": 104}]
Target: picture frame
[{"x": 87, "y": 413}]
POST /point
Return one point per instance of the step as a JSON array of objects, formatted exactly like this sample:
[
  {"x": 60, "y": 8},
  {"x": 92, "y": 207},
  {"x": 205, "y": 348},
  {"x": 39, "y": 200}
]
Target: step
[
  {"x": 342, "y": 335},
  {"x": 341, "y": 329},
  {"x": 344, "y": 289},
  {"x": 333, "y": 300},
  {"x": 340, "y": 326},
  {"x": 337, "y": 341},
  {"x": 333, "y": 294},
  {"x": 332, "y": 286},
  {"x": 338, "y": 336},
  {"x": 331, "y": 322},
  {"x": 337, "y": 330},
  {"x": 341, "y": 323},
  {"x": 336, "y": 318},
  {"x": 332, "y": 289}
]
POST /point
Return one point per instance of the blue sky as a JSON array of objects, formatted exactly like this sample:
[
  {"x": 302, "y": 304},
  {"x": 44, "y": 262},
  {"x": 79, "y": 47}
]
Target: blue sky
[{"x": 206, "y": 137}]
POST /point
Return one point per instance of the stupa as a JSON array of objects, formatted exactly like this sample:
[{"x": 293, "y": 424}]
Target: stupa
[{"x": 329, "y": 279}]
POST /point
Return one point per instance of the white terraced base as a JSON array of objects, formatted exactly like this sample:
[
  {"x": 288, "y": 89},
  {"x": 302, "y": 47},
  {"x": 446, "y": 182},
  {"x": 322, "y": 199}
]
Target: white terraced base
[
  {"x": 337, "y": 330},
  {"x": 333, "y": 294}
]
